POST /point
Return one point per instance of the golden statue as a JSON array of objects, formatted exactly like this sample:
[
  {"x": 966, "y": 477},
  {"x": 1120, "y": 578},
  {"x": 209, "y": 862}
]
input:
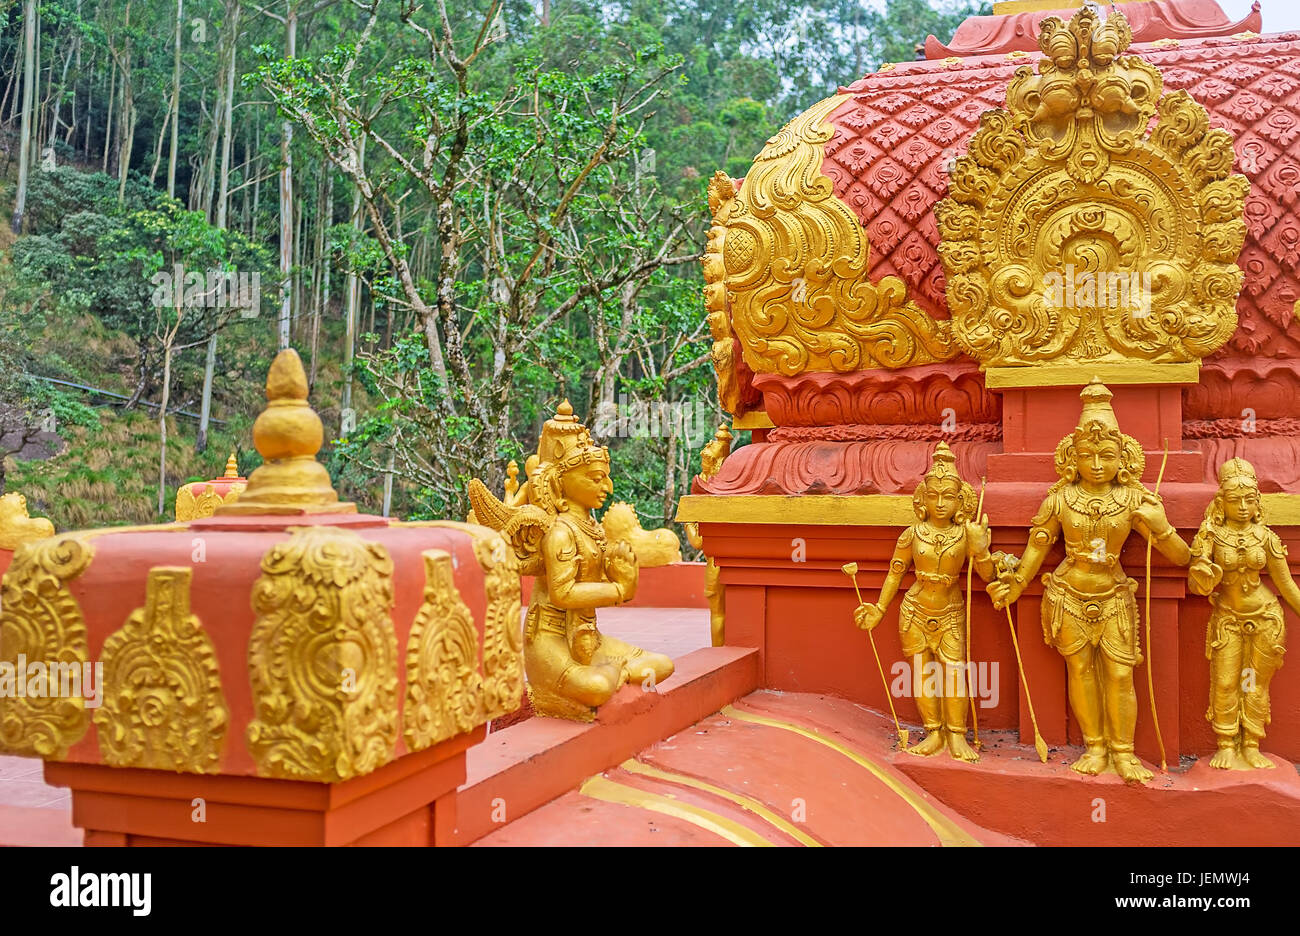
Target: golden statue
[
  {"x": 1246, "y": 636},
  {"x": 653, "y": 548},
  {"x": 572, "y": 668},
  {"x": 711, "y": 457},
  {"x": 16, "y": 527},
  {"x": 933, "y": 613},
  {"x": 1089, "y": 612}
]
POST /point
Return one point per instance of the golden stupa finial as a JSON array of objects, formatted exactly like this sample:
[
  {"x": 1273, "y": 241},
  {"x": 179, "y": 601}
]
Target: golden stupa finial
[
  {"x": 232, "y": 467},
  {"x": 288, "y": 434}
]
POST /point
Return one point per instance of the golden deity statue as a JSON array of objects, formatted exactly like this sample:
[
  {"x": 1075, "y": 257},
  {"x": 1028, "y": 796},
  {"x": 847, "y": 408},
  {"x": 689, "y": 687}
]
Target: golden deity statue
[
  {"x": 1089, "y": 612},
  {"x": 1246, "y": 636},
  {"x": 572, "y": 668},
  {"x": 711, "y": 457},
  {"x": 931, "y": 619}
]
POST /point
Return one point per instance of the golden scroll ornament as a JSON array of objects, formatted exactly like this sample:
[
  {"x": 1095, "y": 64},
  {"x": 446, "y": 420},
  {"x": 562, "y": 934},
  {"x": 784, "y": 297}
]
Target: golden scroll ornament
[
  {"x": 1071, "y": 234},
  {"x": 42, "y": 624},
  {"x": 322, "y": 657},
  {"x": 794, "y": 259},
  {"x": 443, "y": 685},
  {"x": 162, "y": 708}
]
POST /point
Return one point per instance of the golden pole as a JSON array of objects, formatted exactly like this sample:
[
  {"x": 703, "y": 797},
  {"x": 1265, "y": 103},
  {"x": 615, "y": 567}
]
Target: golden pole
[
  {"x": 970, "y": 573},
  {"x": 1039, "y": 744},
  {"x": 1151, "y": 684},
  {"x": 851, "y": 570}
]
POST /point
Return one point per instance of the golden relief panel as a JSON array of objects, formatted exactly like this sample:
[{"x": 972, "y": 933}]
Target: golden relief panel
[
  {"x": 42, "y": 623},
  {"x": 162, "y": 707},
  {"x": 790, "y": 260},
  {"x": 191, "y": 506},
  {"x": 503, "y": 635},
  {"x": 1070, "y": 234},
  {"x": 322, "y": 658},
  {"x": 443, "y": 686}
]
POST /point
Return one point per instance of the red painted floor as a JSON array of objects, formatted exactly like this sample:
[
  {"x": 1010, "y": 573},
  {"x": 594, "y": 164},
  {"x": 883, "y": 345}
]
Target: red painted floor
[
  {"x": 32, "y": 813},
  {"x": 774, "y": 769}
]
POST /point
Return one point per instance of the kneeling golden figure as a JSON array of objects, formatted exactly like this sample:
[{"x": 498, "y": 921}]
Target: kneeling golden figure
[
  {"x": 572, "y": 668},
  {"x": 1089, "y": 612},
  {"x": 1246, "y": 636},
  {"x": 930, "y": 621}
]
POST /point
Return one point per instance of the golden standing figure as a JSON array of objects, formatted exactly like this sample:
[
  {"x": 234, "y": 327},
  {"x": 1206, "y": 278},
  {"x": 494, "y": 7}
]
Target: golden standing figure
[
  {"x": 572, "y": 668},
  {"x": 1089, "y": 612},
  {"x": 933, "y": 613},
  {"x": 1246, "y": 636},
  {"x": 711, "y": 458}
]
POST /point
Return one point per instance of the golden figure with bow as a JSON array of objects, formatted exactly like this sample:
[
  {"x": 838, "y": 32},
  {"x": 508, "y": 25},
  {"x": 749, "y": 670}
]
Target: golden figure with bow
[
  {"x": 1089, "y": 611},
  {"x": 932, "y": 616}
]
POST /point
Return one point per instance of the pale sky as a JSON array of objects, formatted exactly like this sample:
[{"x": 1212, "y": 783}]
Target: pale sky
[{"x": 1279, "y": 15}]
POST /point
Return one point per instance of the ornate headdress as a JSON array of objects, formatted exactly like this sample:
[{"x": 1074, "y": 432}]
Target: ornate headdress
[
  {"x": 943, "y": 467},
  {"x": 565, "y": 444},
  {"x": 1097, "y": 421},
  {"x": 1235, "y": 473},
  {"x": 1097, "y": 414}
]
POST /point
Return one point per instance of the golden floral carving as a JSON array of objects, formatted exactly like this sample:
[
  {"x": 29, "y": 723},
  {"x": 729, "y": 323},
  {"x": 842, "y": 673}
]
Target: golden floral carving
[
  {"x": 162, "y": 707},
  {"x": 794, "y": 261},
  {"x": 503, "y": 633},
  {"x": 322, "y": 657},
  {"x": 190, "y": 506},
  {"x": 1066, "y": 186},
  {"x": 42, "y": 622},
  {"x": 443, "y": 685}
]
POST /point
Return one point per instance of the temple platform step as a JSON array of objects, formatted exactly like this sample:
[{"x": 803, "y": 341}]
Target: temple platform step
[
  {"x": 520, "y": 768},
  {"x": 773, "y": 769},
  {"x": 802, "y": 769}
]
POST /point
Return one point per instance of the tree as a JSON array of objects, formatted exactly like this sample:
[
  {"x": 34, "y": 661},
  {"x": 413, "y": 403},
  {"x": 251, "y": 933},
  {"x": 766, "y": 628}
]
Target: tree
[
  {"x": 29, "y": 92},
  {"x": 528, "y": 191}
]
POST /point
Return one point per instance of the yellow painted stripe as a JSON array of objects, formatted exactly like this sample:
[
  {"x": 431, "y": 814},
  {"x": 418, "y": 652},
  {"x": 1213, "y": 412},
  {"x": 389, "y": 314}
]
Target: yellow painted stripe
[
  {"x": 755, "y": 420},
  {"x": 744, "y": 802},
  {"x": 1078, "y": 375},
  {"x": 601, "y": 788},
  {"x": 891, "y": 510},
  {"x": 949, "y": 832}
]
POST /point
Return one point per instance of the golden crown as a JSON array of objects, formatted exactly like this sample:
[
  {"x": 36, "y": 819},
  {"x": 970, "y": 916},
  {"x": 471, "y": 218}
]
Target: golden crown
[{"x": 566, "y": 443}]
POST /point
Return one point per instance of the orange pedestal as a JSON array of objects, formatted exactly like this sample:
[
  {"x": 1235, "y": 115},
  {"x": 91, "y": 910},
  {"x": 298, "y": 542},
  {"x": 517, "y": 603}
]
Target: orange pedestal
[{"x": 405, "y": 802}]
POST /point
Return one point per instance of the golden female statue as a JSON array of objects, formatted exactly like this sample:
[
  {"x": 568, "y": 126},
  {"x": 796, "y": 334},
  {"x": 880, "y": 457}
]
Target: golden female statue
[
  {"x": 1089, "y": 613},
  {"x": 1246, "y": 636},
  {"x": 933, "y": 613},
  {"x": 572, "y": 668}
]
